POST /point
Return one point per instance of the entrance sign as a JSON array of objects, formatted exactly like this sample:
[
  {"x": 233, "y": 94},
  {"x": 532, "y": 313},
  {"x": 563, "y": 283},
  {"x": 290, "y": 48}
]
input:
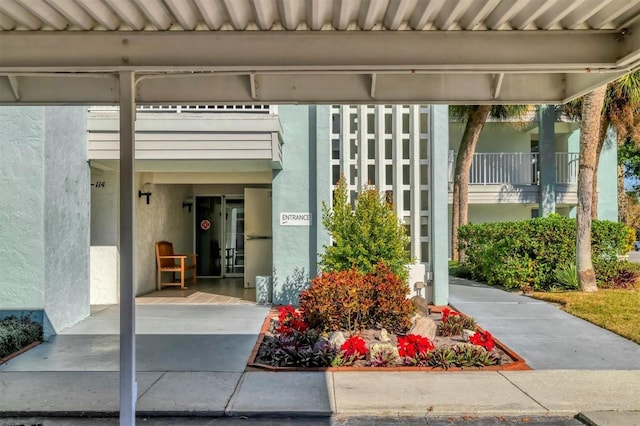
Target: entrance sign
[
  {"x": 295, "y": 219},
  {"x": 205, "y": 225}
]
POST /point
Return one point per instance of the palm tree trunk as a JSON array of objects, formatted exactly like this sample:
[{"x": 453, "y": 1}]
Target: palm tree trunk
[
  {"x": 623, "y": 200},
  {"x": 591, "y": 112},
  {"x": 604, "y": 127},
  {"x": 476, "y": 120}
]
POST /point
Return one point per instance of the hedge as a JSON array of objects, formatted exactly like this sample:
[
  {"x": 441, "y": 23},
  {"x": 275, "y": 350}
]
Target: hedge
[
  {"x": 16, "y": 333},
  {"x": 513, "y": 254}
]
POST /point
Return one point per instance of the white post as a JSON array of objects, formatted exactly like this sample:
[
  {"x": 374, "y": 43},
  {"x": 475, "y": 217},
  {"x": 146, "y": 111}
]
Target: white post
[{"x": 128, "y": 386}]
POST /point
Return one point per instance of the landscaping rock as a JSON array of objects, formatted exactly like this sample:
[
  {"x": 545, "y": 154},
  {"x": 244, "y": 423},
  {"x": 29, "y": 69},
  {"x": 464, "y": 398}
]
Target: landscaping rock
[
  {"x": 384, "y": 335},
  {"x": 466, "y": 333},
  {"x": 421, "y": 305},
  {"x": 425, "y": 327},
  {"x": 337, "y": 339}
]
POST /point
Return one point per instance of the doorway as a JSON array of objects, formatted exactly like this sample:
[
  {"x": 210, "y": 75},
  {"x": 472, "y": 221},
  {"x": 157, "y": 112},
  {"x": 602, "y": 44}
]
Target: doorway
[
  {"x": 234, "y": 237},
  {"x": 208, "y": 235}
]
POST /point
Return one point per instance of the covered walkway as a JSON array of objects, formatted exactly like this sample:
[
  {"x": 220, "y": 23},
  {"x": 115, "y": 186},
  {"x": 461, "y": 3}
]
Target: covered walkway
[{"x": 191, "y": 362}]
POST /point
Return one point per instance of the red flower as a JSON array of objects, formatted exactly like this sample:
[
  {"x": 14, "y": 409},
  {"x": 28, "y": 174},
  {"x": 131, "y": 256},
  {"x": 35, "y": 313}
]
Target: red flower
[
  {"x": 483, "y": 339},
  {"x": 289, "y": 320},
  {"x": 354, "y": 346},
  {"x": 412, "y": 345},
  {"x": 446, "y": 313}
]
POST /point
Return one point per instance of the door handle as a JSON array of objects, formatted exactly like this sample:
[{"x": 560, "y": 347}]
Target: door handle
[{"x": 258, "y": 237}]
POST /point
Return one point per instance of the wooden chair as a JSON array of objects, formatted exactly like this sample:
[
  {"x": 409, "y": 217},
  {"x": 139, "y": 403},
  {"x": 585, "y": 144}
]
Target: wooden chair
[{"x": 168, "y": 261}]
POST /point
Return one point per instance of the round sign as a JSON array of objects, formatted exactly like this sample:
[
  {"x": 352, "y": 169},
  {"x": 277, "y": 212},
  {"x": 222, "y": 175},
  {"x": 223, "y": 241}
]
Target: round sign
[{"x": 205, "y": 224}]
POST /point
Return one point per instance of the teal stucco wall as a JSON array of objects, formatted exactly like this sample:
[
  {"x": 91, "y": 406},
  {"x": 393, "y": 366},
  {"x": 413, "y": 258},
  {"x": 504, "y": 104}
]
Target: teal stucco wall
[{"x": 305, "y": 152}]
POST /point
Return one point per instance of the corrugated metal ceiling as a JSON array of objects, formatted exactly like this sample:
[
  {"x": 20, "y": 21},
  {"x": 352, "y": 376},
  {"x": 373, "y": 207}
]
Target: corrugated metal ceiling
[{"x": 301, "y": 15}]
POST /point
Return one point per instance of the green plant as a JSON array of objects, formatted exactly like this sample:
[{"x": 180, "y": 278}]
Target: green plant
[
  {"x": 456, "y": 269},
  {"x": 626, "y": 276},
  {"x": 16, "y": 333},
  {"x": 454, "y": 322},
  {"x": 383, "y": 355},
  {"x": 297, "y": 349},
  {"x": 567, "y": 276},
  {"x": 364, "y": 237},
  {"x": 338, "y": 301},
  {"x": 511, "y": 254},
  {"x": 391, "y": 308},
  {"x": 348, "y": 300}
]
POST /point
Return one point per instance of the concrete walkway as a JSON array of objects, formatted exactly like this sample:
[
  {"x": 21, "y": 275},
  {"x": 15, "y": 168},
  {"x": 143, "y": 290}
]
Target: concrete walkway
[
  {"x": 545, "y": 336},
  {"x": 191, "y": 362}
]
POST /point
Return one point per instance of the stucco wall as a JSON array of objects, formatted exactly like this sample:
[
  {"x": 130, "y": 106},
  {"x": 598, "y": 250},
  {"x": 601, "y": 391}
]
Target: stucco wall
[
  {"x": 104, "y": 207},
  {"x": 67, "y": 216},
  {"x": 294, "y": 190},
  {"x": 22, "y": 217},
  {"x": 163, "y": 218},
  {"x": 495, "y": 137}
]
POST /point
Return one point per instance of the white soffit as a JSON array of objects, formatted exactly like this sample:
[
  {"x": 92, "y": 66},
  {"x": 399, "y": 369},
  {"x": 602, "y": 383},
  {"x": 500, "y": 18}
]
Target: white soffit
[{"x": 314, "y": 51}]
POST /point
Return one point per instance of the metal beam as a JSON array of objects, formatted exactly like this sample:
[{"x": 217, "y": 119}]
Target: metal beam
[
  {"x": 552, "y": 51},
  {"x": 128, "y": 385},
  {"x": 463, "y": 88},
  {"x": 13, "y": 82}
]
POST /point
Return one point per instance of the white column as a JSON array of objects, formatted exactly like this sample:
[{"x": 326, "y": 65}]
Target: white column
[
  {"x": 414, "y": 137},
  {"x": 128, "y": 386},
  {"x": 380, "y": 163},
  {"x": 345, "y": 144},
  {"x": 397, "y": 161},
  {"x": 362, "y": 147}
]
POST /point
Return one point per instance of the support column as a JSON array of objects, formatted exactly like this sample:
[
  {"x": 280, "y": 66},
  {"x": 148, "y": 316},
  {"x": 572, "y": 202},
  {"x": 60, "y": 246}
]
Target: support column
[
  {"x": 438, "y": 202},
  {"x": 547, "y": 159},
  {"x": 128, "y": 385}
]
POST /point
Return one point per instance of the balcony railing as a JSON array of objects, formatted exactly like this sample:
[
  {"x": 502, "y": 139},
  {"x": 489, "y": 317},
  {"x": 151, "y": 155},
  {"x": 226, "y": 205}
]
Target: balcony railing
[
  {"x": 515, "y": 168},
  {"x": 567, "y": 167},
  {"x": 261, "y": 109}
]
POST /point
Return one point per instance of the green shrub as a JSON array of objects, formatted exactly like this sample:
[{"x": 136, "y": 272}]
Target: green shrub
[
  {"x": 456, "y": 269},
  {"x": 364, "y": 237},
  {"x": 527, "y": 252},
  {"x": 16, "y": 333},
  {"x": 626, "y": 276},
  {"x": 567, "y": 276},
  {"x": 349, "y": 300}
]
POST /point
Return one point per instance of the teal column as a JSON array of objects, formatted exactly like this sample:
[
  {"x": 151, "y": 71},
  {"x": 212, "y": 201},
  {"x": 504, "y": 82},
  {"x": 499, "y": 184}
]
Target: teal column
[
  {"x": 438, "y": 230},
  {"x": 573, "y": 145},
  {"x": 608, "y": 178},
  {"x": 294, "y": 192},
  {"x": 547, "y": 159}
]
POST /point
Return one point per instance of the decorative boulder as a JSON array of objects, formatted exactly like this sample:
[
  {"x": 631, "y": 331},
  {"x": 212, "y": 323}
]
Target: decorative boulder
[
  {"x": 425, "y": 327},
  {"x": 337, "y": 339},
  {"x": 422, "y": 306},
  {"x": 384, "y": 335},
  {"x": 466, "y": 333}
]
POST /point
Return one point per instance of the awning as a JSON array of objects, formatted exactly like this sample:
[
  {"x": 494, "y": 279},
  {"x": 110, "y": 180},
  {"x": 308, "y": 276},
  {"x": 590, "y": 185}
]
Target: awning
[{"x": 314, "y": 51}]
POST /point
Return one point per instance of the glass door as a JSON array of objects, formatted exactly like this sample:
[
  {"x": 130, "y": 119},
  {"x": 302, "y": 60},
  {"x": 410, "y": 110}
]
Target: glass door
[
  {"x": 208, "y": 235},
  {"x": 234, "y": 237}
]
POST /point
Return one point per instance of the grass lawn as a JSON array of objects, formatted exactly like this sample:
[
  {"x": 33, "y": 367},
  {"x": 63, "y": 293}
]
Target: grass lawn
[{"x": 615, "y": 310}]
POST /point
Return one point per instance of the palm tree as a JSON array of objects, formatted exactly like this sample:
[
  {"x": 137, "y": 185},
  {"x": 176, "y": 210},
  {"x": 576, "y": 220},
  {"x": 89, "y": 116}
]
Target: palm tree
[
  {"x": 621, "y": 110},
  {"x": 589, "y": 136},
  {"x": 476, "y": 117}
]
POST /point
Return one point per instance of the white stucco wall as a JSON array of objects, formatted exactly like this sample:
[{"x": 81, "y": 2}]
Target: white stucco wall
[
  {"x": 67, "y": 216},
  {"x": 105, "y": 275},
  {"x": 163, "y": 218},
  {"x": 22, "y": 239},
  {"x": 104, "y": 207}
]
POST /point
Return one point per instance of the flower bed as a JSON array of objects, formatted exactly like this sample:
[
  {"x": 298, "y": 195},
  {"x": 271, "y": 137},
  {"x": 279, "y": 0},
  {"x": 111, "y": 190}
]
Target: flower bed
[
  {"x": 18, "y": 335},
  {"x": 286, "y": 343}
]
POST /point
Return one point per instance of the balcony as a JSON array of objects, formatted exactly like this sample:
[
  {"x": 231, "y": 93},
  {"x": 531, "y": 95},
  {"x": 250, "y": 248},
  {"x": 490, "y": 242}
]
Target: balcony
[
  {"x": 192, "y": 137},
  {"x": 514, "y": 177}
]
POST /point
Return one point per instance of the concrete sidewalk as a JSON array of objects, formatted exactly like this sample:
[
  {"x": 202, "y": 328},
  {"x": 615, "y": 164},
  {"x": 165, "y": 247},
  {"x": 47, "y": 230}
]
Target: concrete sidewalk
[{"x": 191, "y": 363}]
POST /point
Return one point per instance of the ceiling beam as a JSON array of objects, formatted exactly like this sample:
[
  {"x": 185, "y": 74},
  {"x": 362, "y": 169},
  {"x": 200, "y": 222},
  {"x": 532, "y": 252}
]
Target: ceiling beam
[{"x": 552, "y": 51}]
